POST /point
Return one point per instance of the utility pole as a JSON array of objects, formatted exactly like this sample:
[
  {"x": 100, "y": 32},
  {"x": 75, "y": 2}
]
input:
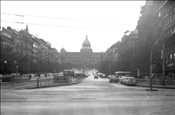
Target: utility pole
[
  {"x": 151, "y": 65},
  {"x": 163, "y": 61}
]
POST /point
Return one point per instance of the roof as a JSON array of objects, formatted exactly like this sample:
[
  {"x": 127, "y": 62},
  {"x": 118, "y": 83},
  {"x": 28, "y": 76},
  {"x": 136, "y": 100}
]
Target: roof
[
  {"x": 122, "y": 72},
  {"x": 86, "y": 41}
]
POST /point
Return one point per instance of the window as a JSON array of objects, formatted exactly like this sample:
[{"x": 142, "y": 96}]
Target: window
[
  {"x": 173, "y": 15},
  {"x": 171, "y": 18},
  {"x": 173, "y": 28},
  {"x": 171, "y": 6},
  {"x": 160, "y": 14},
  {"x": 166, "y": 59},
  {"x": 170, "y": 58}
]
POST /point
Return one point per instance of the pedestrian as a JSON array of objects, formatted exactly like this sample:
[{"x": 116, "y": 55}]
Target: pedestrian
[
  {"x": 12, "y": 80},
  {"x": 163, "y": 81},
  {"x": 38, "y": 80},
  {"x": 30, "y": 76}
]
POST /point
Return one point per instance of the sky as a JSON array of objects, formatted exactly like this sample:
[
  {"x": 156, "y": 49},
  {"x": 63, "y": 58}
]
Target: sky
[{"x": 65, "y": 24}]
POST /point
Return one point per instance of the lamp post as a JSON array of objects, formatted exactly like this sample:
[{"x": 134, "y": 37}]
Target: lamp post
[
  {"x": 151, "y": 58},
  {"x": 151, "y": 64}
]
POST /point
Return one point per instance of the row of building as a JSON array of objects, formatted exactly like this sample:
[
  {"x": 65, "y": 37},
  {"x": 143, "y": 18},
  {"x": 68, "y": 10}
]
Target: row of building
[
  {"x": 155, "y": 32},
  {"x": 20, "y": 50},
  {"x": 164, "y": 18}
]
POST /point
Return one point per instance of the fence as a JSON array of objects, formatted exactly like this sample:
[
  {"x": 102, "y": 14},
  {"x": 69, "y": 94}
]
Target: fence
[
  {"x": 28, "y": 83},
  {"x": 157, "y": 81}
]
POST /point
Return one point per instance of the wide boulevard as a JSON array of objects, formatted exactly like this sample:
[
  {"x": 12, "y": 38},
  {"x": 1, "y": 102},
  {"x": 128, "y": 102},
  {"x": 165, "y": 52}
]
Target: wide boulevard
[{"x": 89, "y": 97}]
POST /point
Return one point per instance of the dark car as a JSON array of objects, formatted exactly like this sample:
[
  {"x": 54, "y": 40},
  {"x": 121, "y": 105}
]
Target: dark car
[
  {"x": 95, "y": 77},
  {"x": 113, "y": 78}
]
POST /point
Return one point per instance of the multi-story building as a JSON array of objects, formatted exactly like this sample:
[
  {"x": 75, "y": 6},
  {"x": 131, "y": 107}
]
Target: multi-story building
[
  {"x": 6, "y": 38},
  {"x": 17, "y": 40},
  {"x": 54, "y": 56},
  {"x": 7, "y": 51},
  {"x": 166, "y": 12},
  {"x": 128, "y": 43},
  {"x": 85, "y": 58},
  {"x": 27, "y": 53},
  {"x": 44, "y": 48},
  {"x": 27, "y": 47}
]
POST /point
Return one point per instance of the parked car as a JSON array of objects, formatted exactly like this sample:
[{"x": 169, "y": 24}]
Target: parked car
[
  {"x": 122, "y": 79},
  {"x": 103, "y": 75},
  {"x": 109, "y": 76},
  {"x": 113, "y": 78},
  {"x": 95, "y": 77},
  {"x": 130, "y": 81},
  {"x": 119, "y": 78}
]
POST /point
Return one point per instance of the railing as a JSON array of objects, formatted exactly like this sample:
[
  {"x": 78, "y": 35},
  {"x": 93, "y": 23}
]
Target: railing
[
  {"x": 157, "y": 81},
  {"x": 38, "y": 82}
]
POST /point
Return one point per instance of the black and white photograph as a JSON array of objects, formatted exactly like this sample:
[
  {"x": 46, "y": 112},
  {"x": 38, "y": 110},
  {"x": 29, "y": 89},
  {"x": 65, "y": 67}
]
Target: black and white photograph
[{"x": 87, "y": 57}]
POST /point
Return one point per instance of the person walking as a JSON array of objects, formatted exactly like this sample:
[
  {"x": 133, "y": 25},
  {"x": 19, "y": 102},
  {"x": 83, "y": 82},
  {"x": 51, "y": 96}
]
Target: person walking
[{"x": 38, "y": 80}]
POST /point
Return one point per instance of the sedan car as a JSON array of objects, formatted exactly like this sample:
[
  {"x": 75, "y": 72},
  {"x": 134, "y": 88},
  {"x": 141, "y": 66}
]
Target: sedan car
[{"x": 130, "y": 81}]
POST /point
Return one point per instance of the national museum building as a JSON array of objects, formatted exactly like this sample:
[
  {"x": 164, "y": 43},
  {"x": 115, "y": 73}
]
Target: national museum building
[{"x": 85, "y": 58}]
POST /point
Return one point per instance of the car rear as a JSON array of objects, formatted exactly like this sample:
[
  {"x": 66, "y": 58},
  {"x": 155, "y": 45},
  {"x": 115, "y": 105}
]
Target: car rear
[
  {"x": 130, "y": 81},
  {"x": 113, "y": 78}
]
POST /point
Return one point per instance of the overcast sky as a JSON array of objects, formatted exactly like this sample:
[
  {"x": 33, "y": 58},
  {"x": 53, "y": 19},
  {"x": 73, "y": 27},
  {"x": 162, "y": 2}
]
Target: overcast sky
[{"x": 66, "y": 23}]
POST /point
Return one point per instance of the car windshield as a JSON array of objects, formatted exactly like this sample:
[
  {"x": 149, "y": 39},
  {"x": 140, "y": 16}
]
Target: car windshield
[{"x": 109, "y": 57}]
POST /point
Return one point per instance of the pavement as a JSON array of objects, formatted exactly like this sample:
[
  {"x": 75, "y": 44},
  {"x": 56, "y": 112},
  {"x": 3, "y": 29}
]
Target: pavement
[{"x": 88, "y": 97}]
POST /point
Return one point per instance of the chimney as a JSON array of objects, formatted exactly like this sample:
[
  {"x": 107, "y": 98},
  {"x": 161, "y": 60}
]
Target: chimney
[{"x": 27, "y": 28}]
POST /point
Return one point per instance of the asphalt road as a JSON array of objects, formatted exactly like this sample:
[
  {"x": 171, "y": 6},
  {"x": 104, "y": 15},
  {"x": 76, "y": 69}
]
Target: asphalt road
[{"x": 89, "y": 97}]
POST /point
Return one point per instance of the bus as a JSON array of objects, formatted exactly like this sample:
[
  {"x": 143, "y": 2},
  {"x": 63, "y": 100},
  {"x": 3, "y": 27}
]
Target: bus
[
  {"x": 69, "y": 72},
  {"x": 122, "y": 73}
]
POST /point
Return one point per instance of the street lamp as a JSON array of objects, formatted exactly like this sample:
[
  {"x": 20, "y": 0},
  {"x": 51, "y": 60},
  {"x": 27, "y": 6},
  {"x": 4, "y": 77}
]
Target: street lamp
[
  {"x": 15, "y": 62},
  {"x": 151, "y": 66},
  {"x": 5, "y": 62}
]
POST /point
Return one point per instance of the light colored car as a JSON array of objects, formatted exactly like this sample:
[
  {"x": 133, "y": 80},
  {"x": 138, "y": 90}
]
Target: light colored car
[
  {"x": 119, "y": 78},
  {"x": 130, "y": 81},
  {"x": 109, "y": 76},
  {"x": 122, "y": 78}
]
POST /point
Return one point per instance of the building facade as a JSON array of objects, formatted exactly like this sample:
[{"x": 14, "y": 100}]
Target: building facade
[
  {"x": 166, "y": 12},
  {"x": 24, "y": 53},
  {"x": 86, "y": 58}
]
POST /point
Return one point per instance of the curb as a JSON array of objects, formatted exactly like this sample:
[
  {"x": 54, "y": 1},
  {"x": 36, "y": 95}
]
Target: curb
[{"x": 163, "y": 87}]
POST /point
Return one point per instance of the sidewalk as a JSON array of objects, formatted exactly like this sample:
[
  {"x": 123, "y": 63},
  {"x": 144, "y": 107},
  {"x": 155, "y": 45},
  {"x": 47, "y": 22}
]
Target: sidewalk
[
  {"x": 156, "y": 86},
  {"x": 60, "y": 84}
]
